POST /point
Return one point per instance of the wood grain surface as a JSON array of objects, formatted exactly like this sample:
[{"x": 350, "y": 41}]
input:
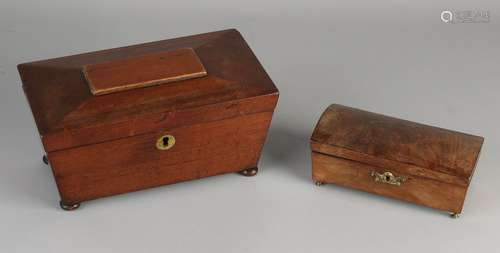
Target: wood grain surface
[
  {"x": 62, "y": 103},
  {"x": 100, "y": 124},
  {"x": 403, "y": 141},
  {"x": 417, "y": 190},
  {"x": 348, "y": 144},
  {"x": 147, "y": 70},
  {"x": 134, "y": 163}
]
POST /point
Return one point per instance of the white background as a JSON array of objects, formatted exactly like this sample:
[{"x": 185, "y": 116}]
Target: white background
[{"x": 393, "y": 57}]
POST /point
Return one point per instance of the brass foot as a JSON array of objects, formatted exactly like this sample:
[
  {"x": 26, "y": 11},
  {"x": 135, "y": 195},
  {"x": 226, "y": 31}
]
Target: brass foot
[
  {"x": 249, "y": 172},
  {"x": 45, "y": 160},
  {"x": 455, "y": 215},
  {"x": 318, "y": 183},
  {"x": 69, "y": 207}
]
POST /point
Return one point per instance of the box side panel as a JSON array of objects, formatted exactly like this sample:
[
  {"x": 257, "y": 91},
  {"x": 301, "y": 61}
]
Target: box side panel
[
  {"x": 135, "y": 163},
  {"x": 348, "y": 173},
  {"x": 152, "y": 122}
]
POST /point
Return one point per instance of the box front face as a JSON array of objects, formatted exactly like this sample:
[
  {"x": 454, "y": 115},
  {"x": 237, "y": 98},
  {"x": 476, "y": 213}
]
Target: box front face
[
  {"x": 361, "y": 176},
  {"x": 139, "y": 162}
]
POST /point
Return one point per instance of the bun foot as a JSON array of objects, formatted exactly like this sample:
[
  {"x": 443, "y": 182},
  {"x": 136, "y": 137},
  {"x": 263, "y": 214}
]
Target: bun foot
[
  {"x": 45, "y": 160},
  {"x": 69, "y": 207},
  {"x": 455, "y": 215},
  {"x": 318, "y": 183},
  {"x": 249, "y": 172}
]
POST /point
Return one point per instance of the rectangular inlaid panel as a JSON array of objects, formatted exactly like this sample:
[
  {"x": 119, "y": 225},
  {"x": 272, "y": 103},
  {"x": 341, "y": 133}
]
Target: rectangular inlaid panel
[{"x": 146, "y": 70}]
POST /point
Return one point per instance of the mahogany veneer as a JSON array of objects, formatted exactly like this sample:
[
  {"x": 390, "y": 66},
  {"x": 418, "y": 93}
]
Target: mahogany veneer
[
  {"x": 392, "y": 157},
  {"x": 141, "y": 116}
]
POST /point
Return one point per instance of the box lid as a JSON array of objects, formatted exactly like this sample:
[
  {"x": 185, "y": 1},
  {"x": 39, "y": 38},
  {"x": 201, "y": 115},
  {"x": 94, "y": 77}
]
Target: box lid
[
  {"x": 116, "y": 85},
  {"x": 397, "y": 144}
]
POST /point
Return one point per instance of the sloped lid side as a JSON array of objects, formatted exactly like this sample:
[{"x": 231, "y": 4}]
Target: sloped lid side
[
  {"x": 61, "y": 99},
  {"x": 398, "y": 140}
]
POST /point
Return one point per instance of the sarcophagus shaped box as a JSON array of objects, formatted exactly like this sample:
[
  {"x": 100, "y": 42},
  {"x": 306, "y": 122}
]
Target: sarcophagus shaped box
[{"x": 135, "y": 117}]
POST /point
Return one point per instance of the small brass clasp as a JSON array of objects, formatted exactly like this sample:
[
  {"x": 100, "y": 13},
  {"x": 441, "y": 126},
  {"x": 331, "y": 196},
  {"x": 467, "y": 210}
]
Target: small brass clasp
[{"x": 388, "y": 178}]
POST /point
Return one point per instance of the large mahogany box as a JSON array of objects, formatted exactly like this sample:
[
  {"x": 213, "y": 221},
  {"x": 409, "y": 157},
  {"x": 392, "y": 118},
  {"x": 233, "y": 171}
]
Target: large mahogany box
[
  {"x": 417, "y": 163},
  {"x": 135, "y": 117}
]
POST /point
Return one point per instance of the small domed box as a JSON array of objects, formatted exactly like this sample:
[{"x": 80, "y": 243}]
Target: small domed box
[
  {"x": 413, "y": 162},
  {"x": 141, "y": 116}
]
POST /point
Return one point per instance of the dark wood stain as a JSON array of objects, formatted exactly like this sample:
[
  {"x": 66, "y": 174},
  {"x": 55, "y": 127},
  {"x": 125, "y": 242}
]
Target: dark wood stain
[{"x": 105, "y": 145}]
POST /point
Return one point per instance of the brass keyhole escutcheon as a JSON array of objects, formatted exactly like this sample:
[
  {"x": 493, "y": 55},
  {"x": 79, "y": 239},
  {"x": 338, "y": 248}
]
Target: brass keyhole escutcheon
[
  {"x": 388, "y": 178},
  {"x": 165, "y": 142}
]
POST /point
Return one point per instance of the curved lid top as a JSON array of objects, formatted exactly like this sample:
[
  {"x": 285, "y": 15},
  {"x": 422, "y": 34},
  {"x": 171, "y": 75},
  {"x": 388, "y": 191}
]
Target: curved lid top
[{"x": 398, "y": 140}]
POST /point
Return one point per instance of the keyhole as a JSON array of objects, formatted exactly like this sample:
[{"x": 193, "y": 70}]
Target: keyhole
[
  {"x": 165, "y": 141},
  {"x": 387, "y": 178}
]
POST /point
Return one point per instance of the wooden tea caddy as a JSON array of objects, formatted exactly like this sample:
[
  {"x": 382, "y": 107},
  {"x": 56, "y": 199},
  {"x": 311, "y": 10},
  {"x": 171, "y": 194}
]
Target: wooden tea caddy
[{"x": 141, "y": 116}]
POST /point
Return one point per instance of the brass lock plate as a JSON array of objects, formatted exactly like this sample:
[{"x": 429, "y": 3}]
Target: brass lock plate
[{"x": 388, "y": 178}]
